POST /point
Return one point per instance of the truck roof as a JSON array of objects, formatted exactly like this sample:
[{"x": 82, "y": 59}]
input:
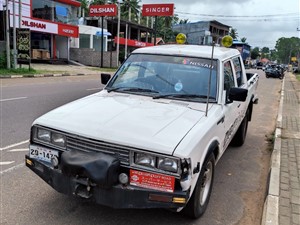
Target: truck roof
[{"x": 202, "y": 51}]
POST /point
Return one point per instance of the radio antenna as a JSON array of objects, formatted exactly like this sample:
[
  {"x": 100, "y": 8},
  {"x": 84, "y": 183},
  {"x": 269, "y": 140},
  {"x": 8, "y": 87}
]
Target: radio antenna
[{"x": 209, "y": 80}]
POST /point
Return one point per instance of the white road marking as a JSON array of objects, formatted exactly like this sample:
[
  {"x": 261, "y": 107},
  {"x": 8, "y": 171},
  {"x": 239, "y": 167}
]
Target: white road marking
[
  {"x": 19, "y": 150},
  {"x": 14, "y": 145},
  {"x": 12, "y": 168},
  {"x": 12, "y": 99},
  {"x": 6, "y": 163}
]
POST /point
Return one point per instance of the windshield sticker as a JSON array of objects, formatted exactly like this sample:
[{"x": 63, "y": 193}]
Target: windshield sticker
[
  {"x": 178, "y": 86},
  {"x": 197, "y": 63}
]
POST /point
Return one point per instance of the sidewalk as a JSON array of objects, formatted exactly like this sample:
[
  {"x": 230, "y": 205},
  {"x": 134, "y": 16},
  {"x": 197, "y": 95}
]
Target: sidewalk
[
  {"x": 50, "y": 70},
  {"x": 282, "y": 205}
]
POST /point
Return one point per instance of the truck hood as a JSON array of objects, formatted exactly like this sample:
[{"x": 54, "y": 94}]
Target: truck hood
[{"x": 131, "y": 120}]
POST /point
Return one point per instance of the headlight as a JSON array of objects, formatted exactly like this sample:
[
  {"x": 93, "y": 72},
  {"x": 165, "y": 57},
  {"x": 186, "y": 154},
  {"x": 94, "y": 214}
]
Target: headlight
[
  {"x": 58, "y": 139},
  {"x": 50, "y": 137},
  {"x": 144, "y": 160},
  {"x": 43, "y": 135},
  {"x": 167, "y": 164}
]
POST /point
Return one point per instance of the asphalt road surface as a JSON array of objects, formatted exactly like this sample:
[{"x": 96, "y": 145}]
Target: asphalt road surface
[{"x": 239, "y": 185}]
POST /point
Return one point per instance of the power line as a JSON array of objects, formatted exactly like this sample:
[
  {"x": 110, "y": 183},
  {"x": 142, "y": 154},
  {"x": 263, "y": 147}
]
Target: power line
[{"x": 239, "y": 16}]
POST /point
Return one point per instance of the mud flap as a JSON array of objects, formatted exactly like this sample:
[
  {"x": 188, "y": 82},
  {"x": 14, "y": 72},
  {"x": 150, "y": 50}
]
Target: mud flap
[{"x": 100, "y": 168}]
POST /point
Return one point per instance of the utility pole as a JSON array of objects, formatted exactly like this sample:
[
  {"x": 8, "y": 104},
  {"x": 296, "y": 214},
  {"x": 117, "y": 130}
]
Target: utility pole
[
  {"x": 14, "y": 35},
  {"x": 7, "y": 37},
  {"x": 118, "y": 32}
]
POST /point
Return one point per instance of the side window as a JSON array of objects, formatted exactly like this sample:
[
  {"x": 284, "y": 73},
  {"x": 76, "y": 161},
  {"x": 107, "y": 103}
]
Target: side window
[
  {"x": 238, "y": 71},
  {"x": 228, "y": 77}
]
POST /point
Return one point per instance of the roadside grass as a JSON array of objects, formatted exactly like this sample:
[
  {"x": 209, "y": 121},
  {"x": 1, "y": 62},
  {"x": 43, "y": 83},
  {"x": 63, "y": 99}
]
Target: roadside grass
[
  {"x": 298, "y": 76},
  {"x": 18, "y": 71}
]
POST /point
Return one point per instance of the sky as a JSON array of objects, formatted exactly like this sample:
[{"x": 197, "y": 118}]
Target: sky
[{"x": 262, "y": 22}]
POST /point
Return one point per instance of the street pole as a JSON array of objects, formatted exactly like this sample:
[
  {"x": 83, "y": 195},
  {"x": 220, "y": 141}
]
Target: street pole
[
  {"x": 7, "y": 37},
  {"x": 102, "y": 35},
  {"x": 20, "y": 14},
  {"x": 118, "y": 33},
  {"x": 14, "y": 35},
  {"x": 20, "y": 21}
]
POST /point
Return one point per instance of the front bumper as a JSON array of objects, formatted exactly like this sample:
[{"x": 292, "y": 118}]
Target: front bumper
[{"x": 117, "y": 196}]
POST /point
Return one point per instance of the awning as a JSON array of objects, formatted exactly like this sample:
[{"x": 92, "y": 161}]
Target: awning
[{"x": 105, "y": 33}]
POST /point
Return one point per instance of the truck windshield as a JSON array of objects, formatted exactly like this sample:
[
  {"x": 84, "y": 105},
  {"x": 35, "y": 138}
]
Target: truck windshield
[{"x": 163, "y": 76}]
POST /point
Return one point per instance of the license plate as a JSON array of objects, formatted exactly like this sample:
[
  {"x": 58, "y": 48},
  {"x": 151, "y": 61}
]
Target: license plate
[
  {"x": 152, "y": 180},
  {"x": 42, "y": 153}
]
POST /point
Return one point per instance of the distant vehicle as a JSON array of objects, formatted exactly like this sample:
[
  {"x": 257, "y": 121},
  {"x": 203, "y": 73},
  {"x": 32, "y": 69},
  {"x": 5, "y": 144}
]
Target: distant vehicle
[
  {"x": 259, "y": 66},
  {"x": 274, "y": 71}
]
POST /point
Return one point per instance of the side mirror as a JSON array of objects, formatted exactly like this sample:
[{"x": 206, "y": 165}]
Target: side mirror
[
  {"x": 238, "y": 94},
  {"x": 105, "y": 77}
]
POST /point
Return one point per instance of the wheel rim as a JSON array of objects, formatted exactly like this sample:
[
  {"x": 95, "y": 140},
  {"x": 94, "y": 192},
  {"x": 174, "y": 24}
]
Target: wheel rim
[{"x": 206, "y": 183}]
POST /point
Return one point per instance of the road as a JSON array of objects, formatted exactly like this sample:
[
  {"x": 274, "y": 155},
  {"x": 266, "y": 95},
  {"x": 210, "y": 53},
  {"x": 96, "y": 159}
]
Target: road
[{"x": 240, "y": 179}]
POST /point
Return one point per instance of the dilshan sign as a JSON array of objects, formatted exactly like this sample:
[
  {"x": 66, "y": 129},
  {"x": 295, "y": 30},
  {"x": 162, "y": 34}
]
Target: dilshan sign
[{"x": 103, "y": 10}]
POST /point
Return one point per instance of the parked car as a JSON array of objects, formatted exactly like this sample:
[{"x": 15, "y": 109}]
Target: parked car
[
  {"x": 259, "y": 66},
  {"x": 274, "y": 71}
]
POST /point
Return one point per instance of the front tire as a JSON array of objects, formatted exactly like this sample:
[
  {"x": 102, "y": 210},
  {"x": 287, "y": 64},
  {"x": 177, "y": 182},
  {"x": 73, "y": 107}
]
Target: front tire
[{"x": 201, "y": 195}]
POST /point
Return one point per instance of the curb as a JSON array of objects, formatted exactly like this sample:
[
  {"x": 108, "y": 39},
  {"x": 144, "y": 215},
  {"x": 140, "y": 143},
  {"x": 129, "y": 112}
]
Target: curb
[
  {"x": 271, "y": 205},
  {"x": 41, "y": 75}
]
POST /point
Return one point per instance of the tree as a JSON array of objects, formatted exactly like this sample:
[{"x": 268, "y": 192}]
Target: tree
[
  {"x": 183, "y": 21},
  {"x": 233, "y": 33},
  {"x": 255, "y": 53},
  {"x": 243, "y": 39},
  {"x": 287, "y": 48},
  {"x": 85, "y": 6},
  {"x": 98, "y": 2},
  {"x": 265, "y": 52}
]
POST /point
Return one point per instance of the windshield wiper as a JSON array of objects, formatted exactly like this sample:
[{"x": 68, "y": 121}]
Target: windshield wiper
[
  {"x": 132, "y": 89},
  {"x": 183, "y": 96}
]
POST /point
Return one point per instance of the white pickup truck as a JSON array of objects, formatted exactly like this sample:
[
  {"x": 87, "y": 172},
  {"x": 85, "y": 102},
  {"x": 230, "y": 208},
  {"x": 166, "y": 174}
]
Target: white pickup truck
[{"x": 152, "y": 137}]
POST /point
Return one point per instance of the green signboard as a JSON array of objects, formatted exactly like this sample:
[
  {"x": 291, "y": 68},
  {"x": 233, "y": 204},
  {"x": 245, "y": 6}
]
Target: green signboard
[{"x": 23, "y": 45}]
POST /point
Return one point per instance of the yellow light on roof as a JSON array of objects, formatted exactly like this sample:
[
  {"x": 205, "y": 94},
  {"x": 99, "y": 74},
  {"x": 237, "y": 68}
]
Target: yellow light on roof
[
  {"x": 227, "y": 41},
  {"x": 180, "y": 38}
]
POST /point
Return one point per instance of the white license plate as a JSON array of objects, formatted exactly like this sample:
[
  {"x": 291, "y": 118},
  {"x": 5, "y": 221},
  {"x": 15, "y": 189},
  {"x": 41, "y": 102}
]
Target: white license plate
[{"x": 42, "y": 153}]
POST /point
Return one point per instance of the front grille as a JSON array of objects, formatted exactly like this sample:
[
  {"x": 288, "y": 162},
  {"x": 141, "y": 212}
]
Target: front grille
[{"x": 87, "y": 145}]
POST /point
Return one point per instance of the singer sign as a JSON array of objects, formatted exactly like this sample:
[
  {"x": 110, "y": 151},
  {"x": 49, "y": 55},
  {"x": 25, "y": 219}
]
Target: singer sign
[
  {"x": 103, "y": 10},
  {"x": 158, "y": 10}
]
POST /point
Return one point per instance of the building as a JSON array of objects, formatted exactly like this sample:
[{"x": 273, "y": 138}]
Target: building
[
  {"x": 52, "y": 24},
  {"x": 203, "y": 32},
  {"x": 244, "y": 49}
]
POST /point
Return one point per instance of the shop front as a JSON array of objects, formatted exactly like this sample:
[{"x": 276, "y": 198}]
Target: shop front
[{"x": 52, "y": 25}]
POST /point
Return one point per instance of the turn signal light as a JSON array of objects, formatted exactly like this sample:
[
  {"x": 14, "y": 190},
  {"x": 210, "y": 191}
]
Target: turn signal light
[
  {"x": 29, "y": 162},
  {"x": 179, "y": 200}
]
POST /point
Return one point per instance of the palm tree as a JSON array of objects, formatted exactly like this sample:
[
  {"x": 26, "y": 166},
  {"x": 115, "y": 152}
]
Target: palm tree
[
  {"x": 98, "y": 2},
  {"x": 243, "y": 39},
  {"x": 130, "y": 8},
  {"x": 233, "y": 33},
  {"x": 84, "y": 6}
]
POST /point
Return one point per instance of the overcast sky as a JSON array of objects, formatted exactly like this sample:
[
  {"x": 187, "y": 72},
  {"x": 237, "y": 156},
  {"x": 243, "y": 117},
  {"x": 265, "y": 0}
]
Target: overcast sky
[{"x": 262, "y": 22}]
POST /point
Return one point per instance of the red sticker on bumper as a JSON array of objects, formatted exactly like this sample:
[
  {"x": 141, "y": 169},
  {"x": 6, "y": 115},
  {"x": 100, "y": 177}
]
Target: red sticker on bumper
[{"x": 152, "y": 180}]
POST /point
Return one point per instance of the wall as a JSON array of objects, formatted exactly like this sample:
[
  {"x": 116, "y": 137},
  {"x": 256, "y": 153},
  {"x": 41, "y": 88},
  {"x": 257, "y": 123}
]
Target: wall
[
  {"x": 2, "y": 46},
  {"x": 90, "y": 57}
]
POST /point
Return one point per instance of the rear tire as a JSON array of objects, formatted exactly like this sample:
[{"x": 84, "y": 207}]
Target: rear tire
[
  {"x": 201, "y": 195},
  {"x": 240, "y": 136}
]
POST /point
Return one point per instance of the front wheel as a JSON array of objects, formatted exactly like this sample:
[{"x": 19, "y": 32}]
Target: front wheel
[{"x": 201, "y": 195}]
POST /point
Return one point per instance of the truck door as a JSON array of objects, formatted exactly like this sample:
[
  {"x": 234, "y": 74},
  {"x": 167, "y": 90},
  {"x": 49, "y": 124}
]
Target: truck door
[{"x": 231, "y": 110}]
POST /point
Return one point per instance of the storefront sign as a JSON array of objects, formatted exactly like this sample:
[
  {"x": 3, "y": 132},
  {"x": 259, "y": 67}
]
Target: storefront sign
[
  {"x": 70, "y": 2},
  {"x": 68, "y": 30},
  {"x": 158, "y": 10},
  {"x": 103, "y": 10},
  {"x": 52, "y": 28},
  {"x": 133, "y": 43},
  {"x": 23, "y": 45}
]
